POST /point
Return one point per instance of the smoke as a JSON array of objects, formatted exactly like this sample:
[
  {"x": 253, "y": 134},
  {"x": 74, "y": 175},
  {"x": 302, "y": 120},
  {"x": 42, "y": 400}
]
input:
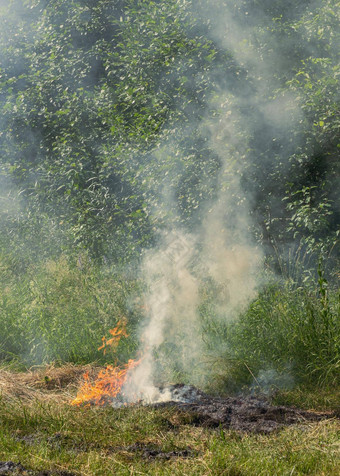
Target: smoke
[
  {"x": 8, "y": 203},
  {"x": 221, "y": 250},
  {"x": 269, "y": 381}
]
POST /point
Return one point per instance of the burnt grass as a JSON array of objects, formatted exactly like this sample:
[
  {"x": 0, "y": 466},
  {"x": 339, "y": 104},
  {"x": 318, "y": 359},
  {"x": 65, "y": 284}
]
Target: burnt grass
[
  {"x": 248, "y": 414},
  {"x": 243, "y": 413}
]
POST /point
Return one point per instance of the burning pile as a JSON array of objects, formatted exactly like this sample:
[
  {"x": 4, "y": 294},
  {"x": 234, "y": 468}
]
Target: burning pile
[
  {"x": 243, "y": 413},
  {"x": 111, "y": 383}
]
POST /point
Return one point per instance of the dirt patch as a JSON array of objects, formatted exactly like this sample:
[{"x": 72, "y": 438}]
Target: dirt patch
[
  {"x": 245, "y": 414},
  {"x": 158, "y": 454},
  {"x": 56, "y": 441},
  {"x": 8, "y": 467}
]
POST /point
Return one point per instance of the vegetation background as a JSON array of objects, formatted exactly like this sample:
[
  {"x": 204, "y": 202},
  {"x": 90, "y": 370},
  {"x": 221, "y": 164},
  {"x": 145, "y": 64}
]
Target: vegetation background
[{"x": 104, "y": 105}]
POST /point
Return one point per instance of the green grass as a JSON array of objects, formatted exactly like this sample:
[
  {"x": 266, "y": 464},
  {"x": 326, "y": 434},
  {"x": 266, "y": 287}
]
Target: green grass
[
  {"x": 99, "y": 441},
  {"x": 289, "y": 336},
  {"x": 310, "y": 398},
  {"x": 59, "y": 311}
]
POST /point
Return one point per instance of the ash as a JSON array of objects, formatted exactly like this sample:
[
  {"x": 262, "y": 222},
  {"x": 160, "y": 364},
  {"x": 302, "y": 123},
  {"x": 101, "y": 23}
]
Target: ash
[{"x": 181, "y": 393}]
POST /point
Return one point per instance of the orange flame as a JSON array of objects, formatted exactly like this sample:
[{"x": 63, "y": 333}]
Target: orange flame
[
  {"x": 106, "y": 387},
  {"x": 110, "y": 381},
  {"x": 117, "y": 333}
]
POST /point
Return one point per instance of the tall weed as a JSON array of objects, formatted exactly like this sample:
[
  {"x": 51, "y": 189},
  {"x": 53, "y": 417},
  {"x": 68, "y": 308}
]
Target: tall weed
[
  {"x": 289, "y": 334},
  {"x": 59, "y": 310}
]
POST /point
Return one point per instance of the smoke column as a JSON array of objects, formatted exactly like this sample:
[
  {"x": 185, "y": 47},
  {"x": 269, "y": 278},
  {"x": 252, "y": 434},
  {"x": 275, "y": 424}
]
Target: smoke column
[{"x": 222, "y": 249}]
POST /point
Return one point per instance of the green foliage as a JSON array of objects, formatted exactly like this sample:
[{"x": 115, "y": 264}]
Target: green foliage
[
  {"x": 310, "y": 221},
  {"x": 102, "y": 85},
  {"x": 107, "y": 106}
]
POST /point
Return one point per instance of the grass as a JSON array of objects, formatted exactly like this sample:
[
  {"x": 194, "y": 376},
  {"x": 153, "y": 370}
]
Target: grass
[
  {"x": 58, "y": 310},
  {"x": 309, "y": 398},
  {"x": 48, "y": 434},
  {"x": 289, "y": 336}
]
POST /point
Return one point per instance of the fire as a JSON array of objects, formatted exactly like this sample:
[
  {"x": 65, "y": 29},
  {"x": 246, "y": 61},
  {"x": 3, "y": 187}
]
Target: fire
[
  {"x": 117, "y": 333},
  {"x": 107, "y": 386},
  {"x": 109, "y": 382}
]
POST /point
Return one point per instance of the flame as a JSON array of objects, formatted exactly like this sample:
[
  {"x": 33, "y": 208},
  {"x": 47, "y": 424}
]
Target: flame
[
  {"x": 109, "y": 382},
  {"x": 117, "y": 333},
  {"x": 107, "y": 386}
]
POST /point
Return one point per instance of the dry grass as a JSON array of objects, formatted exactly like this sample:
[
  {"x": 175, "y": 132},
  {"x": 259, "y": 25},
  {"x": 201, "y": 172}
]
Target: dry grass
[{"x": 48, "y": 382}]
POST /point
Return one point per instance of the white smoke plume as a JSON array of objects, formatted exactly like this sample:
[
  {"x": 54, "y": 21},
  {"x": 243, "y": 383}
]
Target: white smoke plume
[{"x": 222, "y": 249}]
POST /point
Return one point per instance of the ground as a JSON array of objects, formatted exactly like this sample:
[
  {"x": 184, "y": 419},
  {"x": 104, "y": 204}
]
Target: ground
[{"x": 42, "y": 434}]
